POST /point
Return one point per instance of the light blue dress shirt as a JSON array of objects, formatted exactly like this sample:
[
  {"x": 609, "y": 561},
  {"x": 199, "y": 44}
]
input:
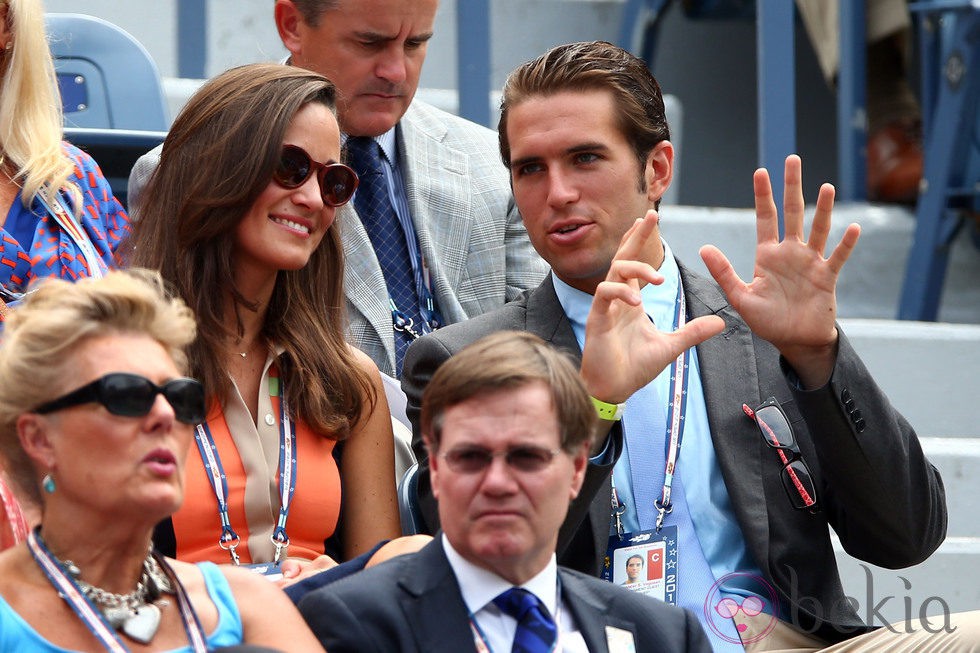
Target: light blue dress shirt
[{"x": 710, "y": 506}]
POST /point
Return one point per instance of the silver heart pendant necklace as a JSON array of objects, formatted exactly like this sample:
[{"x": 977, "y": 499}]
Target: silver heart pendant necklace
[{"x": 136, "y": 614}]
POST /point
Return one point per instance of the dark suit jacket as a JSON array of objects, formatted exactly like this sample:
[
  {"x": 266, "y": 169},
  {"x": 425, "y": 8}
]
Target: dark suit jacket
[
  {"x": 413, "y": 603},
  {"x": 874, "y": 485}
]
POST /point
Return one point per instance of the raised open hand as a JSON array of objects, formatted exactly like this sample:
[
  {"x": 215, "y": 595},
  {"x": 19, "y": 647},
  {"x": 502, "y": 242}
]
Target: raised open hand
[
  {"x": 623, "y": 348},
  {"x": 791, "y": 300}
]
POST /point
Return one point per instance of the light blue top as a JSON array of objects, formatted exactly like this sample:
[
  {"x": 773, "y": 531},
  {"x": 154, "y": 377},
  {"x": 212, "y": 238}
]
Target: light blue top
[
  {"x": 17, "y": 635},
  {"x": 697, "y": 465}
]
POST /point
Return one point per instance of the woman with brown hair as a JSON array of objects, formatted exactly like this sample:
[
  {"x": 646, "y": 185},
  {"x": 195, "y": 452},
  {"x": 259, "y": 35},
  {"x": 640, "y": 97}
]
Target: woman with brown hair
[{"x": 296, "y": 450}]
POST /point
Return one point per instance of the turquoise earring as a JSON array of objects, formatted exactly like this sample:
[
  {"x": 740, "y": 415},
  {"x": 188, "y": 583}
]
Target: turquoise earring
[{"x": 47, "y": 483}]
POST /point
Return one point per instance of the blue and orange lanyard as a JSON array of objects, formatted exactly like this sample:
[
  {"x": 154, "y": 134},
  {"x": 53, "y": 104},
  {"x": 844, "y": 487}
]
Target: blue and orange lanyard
[
  {"x": 229, "y": 539},
  {"x": 92, "y": 617}
]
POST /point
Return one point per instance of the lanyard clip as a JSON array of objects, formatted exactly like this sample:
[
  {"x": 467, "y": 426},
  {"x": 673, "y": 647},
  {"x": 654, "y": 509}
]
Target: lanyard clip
[
  {"x": 663, "y": 509},
  {"x": 281, "y": 540},
  {"x": 229, "y": 541},
  {"x": 619, "y": 522}
]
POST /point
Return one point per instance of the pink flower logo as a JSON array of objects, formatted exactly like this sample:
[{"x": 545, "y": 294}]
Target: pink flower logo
[{"x": 719, "y": 608}]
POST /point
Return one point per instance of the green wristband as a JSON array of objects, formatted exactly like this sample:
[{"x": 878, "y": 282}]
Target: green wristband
[{"x": 607, "y": 411}]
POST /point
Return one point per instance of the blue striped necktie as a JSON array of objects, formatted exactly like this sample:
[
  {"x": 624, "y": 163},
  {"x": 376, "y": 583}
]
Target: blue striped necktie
[
  {"x": 536, "y": 630},
  {"x": 374, "y": 207}
]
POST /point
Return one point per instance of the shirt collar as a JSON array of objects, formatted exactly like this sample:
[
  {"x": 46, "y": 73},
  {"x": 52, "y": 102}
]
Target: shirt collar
[
  {"x": 658, "y": 301},
  {"x": 387, "y": 142},
  {"x": 480, "y": 586}
]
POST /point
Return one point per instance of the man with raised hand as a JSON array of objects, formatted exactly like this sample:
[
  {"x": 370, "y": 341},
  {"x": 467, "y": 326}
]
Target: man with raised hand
[{"x": 740, "y": 453}]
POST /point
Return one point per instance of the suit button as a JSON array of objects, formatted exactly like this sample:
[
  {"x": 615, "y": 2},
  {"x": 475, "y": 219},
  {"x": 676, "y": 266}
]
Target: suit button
[
  {"x": 845, "y": 395},
  {"x": 859, "y": 424},
  {"x": 856, "y": 416},
  {"x": 849, "y": 404}
]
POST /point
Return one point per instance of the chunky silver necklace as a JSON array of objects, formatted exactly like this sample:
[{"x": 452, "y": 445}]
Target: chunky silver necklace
[{"x": 136, "y": 614}]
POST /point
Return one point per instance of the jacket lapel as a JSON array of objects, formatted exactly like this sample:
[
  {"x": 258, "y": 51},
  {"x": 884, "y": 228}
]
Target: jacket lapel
[
  {"x": 364, "y": 284},
  {"x": 589, "y": 611},
  {"x": 729, "y": 377},
  {"x": 433, "y": 603},
  {"x": 546, "y": 318}
]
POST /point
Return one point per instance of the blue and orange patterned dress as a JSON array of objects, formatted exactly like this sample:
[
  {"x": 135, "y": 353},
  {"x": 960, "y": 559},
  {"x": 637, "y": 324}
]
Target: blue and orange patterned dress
[{"x": 35, "y": 245}]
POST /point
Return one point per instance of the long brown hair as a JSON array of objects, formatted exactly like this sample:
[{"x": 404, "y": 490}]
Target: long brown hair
[{"x": 216, "y": 160}]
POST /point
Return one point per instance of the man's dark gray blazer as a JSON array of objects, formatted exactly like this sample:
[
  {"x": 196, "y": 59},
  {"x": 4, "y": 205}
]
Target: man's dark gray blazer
[
  {"x": 413, "y": 603},
  {"x": 874, "y": 485}
]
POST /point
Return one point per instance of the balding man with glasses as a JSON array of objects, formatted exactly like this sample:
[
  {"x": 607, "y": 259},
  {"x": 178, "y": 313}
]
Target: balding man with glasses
[{"x": 508, "y": 425}]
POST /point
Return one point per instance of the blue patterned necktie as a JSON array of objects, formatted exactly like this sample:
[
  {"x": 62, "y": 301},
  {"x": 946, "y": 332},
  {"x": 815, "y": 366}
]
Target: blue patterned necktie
[
  {"x": 536, "y": 630},
  {"x": 373, "y": 204}
]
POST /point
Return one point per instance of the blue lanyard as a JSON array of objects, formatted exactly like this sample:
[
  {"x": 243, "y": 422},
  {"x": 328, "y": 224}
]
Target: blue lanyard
[
  {"x": 676, "y": 410},
  {"x": 229, "y": 539},
  {"x": 431, "y": 319},
  {"x": 674, "y": 437},
  {"x": 91, "y": 616},
  {"x": 287, "y": 473}
]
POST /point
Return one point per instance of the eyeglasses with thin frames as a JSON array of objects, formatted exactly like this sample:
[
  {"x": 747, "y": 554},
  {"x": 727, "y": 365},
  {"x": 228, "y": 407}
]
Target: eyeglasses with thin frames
[
  {"x": 777, "y": 432},
  {"x": 474, "y": 460}
]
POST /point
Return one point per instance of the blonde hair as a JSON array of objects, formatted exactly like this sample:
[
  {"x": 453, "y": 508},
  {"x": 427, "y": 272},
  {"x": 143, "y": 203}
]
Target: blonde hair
[
  {"x": 30, "y": 109},
  {"x": 41, "y": 334}
]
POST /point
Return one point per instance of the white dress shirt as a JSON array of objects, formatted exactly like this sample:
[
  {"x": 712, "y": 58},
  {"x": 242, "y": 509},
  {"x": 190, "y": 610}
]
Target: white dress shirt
[{"x": 480, "y": 587}]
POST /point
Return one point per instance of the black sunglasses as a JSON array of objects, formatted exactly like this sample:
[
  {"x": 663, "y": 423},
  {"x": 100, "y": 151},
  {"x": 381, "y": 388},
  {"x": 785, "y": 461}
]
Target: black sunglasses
[
  {"x": 131, "y": 395},
  {"x": 778, "y": 434},
  {"x": 473, "y": 460},
  {"x": 337, "y": 181}
]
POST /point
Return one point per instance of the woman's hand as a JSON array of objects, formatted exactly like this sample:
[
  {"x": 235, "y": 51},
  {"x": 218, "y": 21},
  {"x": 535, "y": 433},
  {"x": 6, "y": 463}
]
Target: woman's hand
[{"x": 296, "y": 569}]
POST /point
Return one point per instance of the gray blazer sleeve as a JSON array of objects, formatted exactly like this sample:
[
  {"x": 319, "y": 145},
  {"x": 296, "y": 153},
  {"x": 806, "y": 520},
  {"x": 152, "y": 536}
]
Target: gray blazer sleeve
[{"x": 886, "y": 501}]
